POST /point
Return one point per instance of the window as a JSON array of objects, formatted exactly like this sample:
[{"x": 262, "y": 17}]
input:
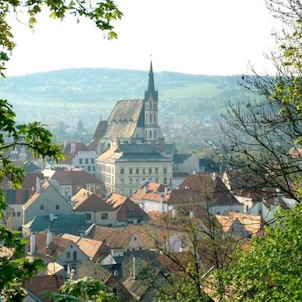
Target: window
[
  {"x": 88, "y": 216},
  {"x": 74, "y": 255},
  {"x": 122, "y": 171},
  {"x": 92, "y": 160},
  {"x": 144, "y": 171},
  {"x": 68, "y": 255},
  {"x": 86, "y": 161},
  {"x": 156, "y": 170},
  {"x": 18, "y": 214},
  {"x": 165, "y": 170},
  {"x": 130, "y": 181},
  {"x": 165, "y": 181},
  {"x": 137, "y": 181},
  {"x": 130, "y": 170},
  {"x": 41, "y": 207},
  {"x": 57, "y": 207},
  {"x": 122, "y": 181},
  {"x": 104, "y": 216},
  {"x": 156, "y": 180},
  {"x": 150, "y": 134},
  {"x": 150, "y": 118},
  {"x": 150, "y": 170},
  {"x": 81, "y": 161},
  {"x": 89, "y": 168},
  {"x": 137, "y": 170},
  {"x": 67, "y": 189}
]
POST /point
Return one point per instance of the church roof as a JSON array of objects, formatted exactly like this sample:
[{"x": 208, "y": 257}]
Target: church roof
[{"x": 124, "y": 119}]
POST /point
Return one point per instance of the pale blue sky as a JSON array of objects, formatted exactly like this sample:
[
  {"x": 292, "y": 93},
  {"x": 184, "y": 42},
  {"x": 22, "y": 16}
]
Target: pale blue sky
[{"x": 216, "y": 37}]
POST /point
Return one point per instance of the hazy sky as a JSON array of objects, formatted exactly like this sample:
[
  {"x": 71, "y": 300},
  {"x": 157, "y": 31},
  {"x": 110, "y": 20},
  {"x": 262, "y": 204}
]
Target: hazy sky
[{"x": 215, "y": 37}]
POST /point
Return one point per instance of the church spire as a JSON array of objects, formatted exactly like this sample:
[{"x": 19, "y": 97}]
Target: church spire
[{"x": 151, "y": 87}]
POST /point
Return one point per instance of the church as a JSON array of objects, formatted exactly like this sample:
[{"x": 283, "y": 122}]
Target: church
[{"x": 131, "y": 147}]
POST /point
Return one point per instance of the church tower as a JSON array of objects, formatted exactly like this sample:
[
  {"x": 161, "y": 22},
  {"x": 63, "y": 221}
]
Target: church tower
[{"x": 153, "y": 132}]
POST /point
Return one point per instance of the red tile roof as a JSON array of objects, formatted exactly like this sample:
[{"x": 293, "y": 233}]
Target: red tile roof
[
  {"x": 210, "y": 188},
  {"x": 37, "y": 285}
]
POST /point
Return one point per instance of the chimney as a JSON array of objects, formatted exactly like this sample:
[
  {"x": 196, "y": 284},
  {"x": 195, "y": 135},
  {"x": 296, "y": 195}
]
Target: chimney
[
  {"x": 72, "y": 148},
  {"x": 48, "y": 237},
  {"x": 133, "y": 268},
  {"x": 38, "y": 185},
  {"x": 32, "y": 243},
  {"x": 191, "y": 214},
  {"x": 162, "y": 199}
]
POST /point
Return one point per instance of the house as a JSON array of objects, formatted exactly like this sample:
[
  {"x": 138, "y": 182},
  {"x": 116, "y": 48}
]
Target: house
[
  {"x": 16, "y": 198},
  {"x": 95, "y": 209},
  {"x": 127, "y": 212},
  {"x": 72, "y": 180},
  {"x": 46, "y": 201},
  {"x": 155, "y": 197},
  {"x": 241, "y": 225},
  {"x": 138, "y": 237},
  {"x": 37, "y": 287},
  {"x": 213, "y": 193},
  {"x": 57, "y": 224},
  {"x": 78, "y": 155},
  {"x": 53, "y": 248},
  {"x": 116, "y": 210},
  {"x": 267, "y": 207},
  {"x": 94, "y": 249}
]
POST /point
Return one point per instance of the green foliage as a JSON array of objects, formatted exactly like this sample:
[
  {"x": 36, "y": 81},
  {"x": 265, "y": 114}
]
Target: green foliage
[
  {"x": 102, "y": 13},
  {"x": 85, "y": 290},
  {"x": 271, "y": 269},
  {"x": 15, "y": 268}
]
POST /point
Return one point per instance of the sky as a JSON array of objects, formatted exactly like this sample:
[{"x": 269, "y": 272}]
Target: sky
[{"x": 209, "y": 37}]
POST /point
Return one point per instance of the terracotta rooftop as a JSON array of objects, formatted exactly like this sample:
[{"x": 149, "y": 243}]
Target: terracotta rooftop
[
  {"x": 85, "y": 200},
  {"x": 38, "y": 285},
  {"x": 253, "y": 224},
  {"x": 89, "y": 246},
  {"x": 210, "y": 187}
]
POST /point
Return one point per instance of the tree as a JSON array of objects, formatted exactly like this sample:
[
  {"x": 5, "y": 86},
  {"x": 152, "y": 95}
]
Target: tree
[
  {"x": 102, "y": 12},
  {"x": 263, "y": 136},
  {"x": 185, "y": 274},
  {"x": 15, "y": 268},
  {"x": 265, "y": 142},
  {"x": 85, "y": 290},
  {"x": 270, "y": 270}
]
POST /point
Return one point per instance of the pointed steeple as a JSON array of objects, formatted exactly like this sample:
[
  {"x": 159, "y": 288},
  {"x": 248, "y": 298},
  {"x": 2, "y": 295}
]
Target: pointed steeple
[{"x": 151, "y": 87}]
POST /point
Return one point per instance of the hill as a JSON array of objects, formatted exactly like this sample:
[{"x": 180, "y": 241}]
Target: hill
[{"x": 87, "y": 94}]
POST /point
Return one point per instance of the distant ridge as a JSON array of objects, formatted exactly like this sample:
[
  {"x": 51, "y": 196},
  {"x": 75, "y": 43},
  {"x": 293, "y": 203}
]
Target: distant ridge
[{"x": 92, "y": 85}]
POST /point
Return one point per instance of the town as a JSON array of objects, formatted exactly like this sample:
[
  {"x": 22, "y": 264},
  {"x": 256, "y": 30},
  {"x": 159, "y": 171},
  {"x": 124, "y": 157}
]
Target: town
[{"x": 128, "y": 209}]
